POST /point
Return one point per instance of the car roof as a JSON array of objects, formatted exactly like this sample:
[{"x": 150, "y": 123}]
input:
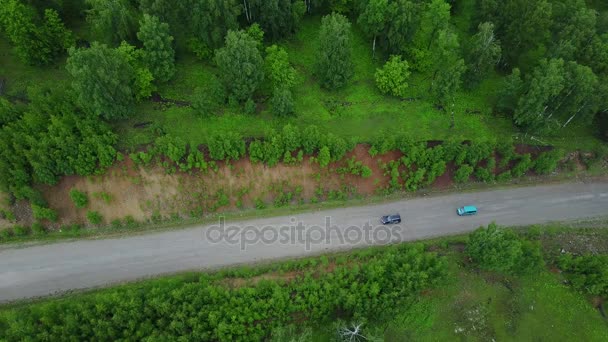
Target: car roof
[{"x": 469, "y": 208}]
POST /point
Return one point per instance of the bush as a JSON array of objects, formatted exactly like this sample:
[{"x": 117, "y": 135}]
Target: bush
[
  {"x": 256, "y": 152},
  {"x": 586, "y": 273},
  {"x": 478, "y": 151},
  {"x": 497, "y": 249},
  {"x": 311, "y": 139},
  {"x": 337, "y": 146},
  {"x": 547, "y": 162},
  {"x": 229, "y": 146},
  {"x": 38, "y": 229},
  {"x": 463, "y": 173},
  {"x": 504, "y": 176},
  {"x": 291, "y": 138},
  {"x": 382, "y": 144},
  {"x": 282, "y": 102},
  {"x": 20, "y": 231},
  {"x": 392, "y": 78},
  {"x": 208, "y": 100},
  {"x": 506, "y": 151},
  {"x": 259, "y": 203},
  {"x": 94, "y": 217},
  {"x": 42, "y": 213},
  {"x": 5, "y": 234},
  {"x": 324, "y": 157},
  {"x": 79, "y": 198},
  {"x": 523, "y": 165},
  {"x": 173, "y": 148},
  {"x": 484, "y": 174}
]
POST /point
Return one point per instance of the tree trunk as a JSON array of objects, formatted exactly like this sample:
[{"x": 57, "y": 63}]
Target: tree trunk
[
  {"x": 374, "y": 48},
  {"x": 246, "y": 11}
]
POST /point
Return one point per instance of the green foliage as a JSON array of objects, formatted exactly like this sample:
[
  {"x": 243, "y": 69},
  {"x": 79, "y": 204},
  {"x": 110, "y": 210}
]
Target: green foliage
[
  {"x": 259, "y": 204},
  {"x": 278, "y": 18},
  {"x": 228, "y": 146},
  {"x": 37, "y": 42},
  {"x": 79, "y": 198},
  {"x": 334, "y": 64},
  {"x": 158, "y": 53},
  {"x": 546, "y": 162},
  {"x": 392, "y": 78},
  {"x": 102, "y": 79},
  {"x": 484, "y": 53},
  {"x": 522, "y": 166},
  {"x": 115, "y": 20},
  {"x": 282, "y": 102},
  {"x": 208, "y": 100},
  {"x": 277, "y": 68},
  {"x": 241, "y": 65},
  {"x": 311, "y": 138},
  {"x": 463, "y": 173},
  {"x": 555, "y": 94},
  {"x": 43, "y": 213},
  {"x": 209, "y": 20},
  {"x": 504, "y": 176},
  {"x": 53, "y": 138},
  {"x": 506, "y": 151},
  {"x": 94, "y": 217},
  {"x": 324, "y": 156},
  {"x": 586, "y": 273},
  {"x": 392, "y": 277},
  {"x": 500, "y": 250}
]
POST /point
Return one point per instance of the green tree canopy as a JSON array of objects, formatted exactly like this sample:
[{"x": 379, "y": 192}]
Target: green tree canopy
[
  {"x": 278, "y": 70},
  {"x": 158, "y": 53},
  {"x": 114, "y": 20},
  {"x": 210, "y": 20},
  {"x": 241, "y": 65},
  {"x": 102, "y": 79},
  {"x": 334, "y": 64},
  {"x": 36, "y": 41},
  {"x": 393, "y": 76},
  {"x": 484, "y": 53}
]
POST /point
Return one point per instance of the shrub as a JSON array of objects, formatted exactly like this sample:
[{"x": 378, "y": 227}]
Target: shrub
[
  {"x": 392, "y": 77},
  {"x": 256, "y": 152},
  {"x": 506, "y": 151},
  {"x": 497, "y": 249},
  {"x": 38, "y": 229},
  {"x": 259, "y": 203},
  {"x": 504, "y": 176},
  {"x": 291, "y": 138},
  {"x": 94, "y": 217},
  {"x": 282, "y": 102},
  {"x": 311, "y": 139},
  {"x": 366, "y": 172},
  {"x": 463, "y": 173},
  {"x": 173, "y": 148},
  {"x": 324, "y": 157},
  {"x": 547, "y": 162},
  {"x": 382, "y": 144},
  {"x": 5, "y": 234},
  {"x": 478, "y": 151},
  {"x": 586, "y": 273},
  {"x": 484, "y": 174},
  {"x": 42, "y": 213},
  {"x": 20, "y": 231},
  {"x": 229, "y": 146},
  {"x": 116, "y": 223},
  {"x": 523, "y": 165},
  {"x": 249, "y": 107},
  {"x": 337, "y": 146}
]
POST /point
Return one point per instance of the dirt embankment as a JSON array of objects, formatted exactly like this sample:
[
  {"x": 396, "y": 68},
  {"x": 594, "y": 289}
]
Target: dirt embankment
[{"x": 144, "y": 192}]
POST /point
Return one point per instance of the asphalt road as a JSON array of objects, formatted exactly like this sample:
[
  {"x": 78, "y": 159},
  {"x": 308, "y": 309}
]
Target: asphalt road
[{"x": 47, "y": 269}]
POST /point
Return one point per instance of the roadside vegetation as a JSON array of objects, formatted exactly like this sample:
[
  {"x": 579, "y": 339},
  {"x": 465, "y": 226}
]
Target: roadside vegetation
[
  {"x": 496, "y": 283},
  {"x": 87, "y": 86}
]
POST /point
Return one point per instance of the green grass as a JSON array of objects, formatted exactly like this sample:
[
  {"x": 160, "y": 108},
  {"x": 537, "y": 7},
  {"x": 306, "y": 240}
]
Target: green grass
[
  {"x": 20, "y": 76},
  {"x": 358, "y": 110}
]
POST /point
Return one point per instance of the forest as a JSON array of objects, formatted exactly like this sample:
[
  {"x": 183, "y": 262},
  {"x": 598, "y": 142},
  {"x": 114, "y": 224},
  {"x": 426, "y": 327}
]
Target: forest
[{"x": 218, "y": 80}]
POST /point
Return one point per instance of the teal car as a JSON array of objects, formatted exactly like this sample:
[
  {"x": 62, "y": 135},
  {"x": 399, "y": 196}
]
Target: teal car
[{"x": 466, "y": 210}]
